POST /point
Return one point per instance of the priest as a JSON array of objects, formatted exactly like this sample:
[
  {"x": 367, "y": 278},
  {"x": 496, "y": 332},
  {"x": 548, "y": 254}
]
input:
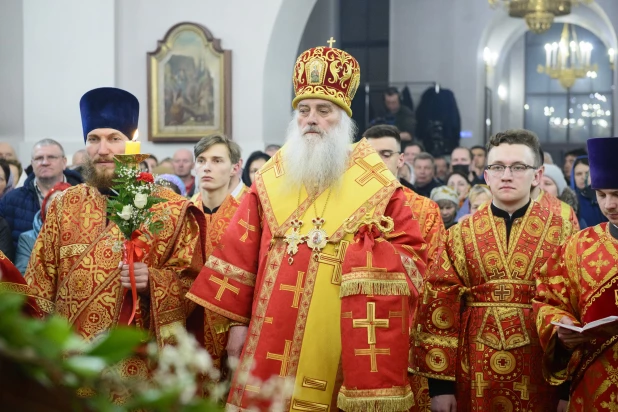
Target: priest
[
  {"x": 320, "y": 266},
  {"x": 76, "y": 267},
  {"x": 476, "y": 337},
  {"x": 578, "y": 286},
  {"x": 217, "y": 161}
]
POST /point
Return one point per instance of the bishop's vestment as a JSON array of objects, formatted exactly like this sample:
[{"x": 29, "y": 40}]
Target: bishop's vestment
[{"x": 289, "y": 295}]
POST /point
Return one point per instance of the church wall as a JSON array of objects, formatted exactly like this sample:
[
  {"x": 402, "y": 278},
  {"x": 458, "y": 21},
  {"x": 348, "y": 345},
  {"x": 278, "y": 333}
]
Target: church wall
[
  {"x": 11, "y": 70},
  {"x": 71, "y": 46}
]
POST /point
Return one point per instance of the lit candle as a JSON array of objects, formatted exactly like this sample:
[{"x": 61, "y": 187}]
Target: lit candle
[
  {"x": 132, "y": 146},
  {"x": 547, "y": 54}
]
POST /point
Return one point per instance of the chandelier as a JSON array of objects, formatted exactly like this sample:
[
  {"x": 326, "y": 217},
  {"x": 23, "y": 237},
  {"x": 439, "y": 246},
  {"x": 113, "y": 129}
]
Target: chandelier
[
  {"x": 539, "y": 14},
  {"x": 568, "y": 60}
]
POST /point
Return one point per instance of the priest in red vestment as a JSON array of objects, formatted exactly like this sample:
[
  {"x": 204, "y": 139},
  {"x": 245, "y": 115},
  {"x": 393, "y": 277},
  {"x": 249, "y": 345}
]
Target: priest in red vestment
[
  {"x": 217, "y": 161},
  {"x": 321, "y": 263},
  {"x": 75, "y": 269},
  {"x": 476, "y": 339},
  {"x": 577, "y": 286},
  {"x": 386, "y": 141}
]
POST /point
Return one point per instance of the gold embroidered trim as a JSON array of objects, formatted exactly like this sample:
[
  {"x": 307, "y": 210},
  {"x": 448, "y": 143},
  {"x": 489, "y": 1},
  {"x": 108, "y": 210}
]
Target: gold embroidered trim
[
  {"x": 222, "y": 312},
  {"x": 374, "y": 287},
  {"x": 6, "y": 287},
  {"x": 233, "y": 272},
  {"x": 385, "y": 400},
  {"x": 498, "y": 305},
  {"x": 444, "y": 341},
  {"x": 314, "y": 383},
  {"x": 432, "y": 375},
  {"x": 307, "y": 406},
  {"x": 73, "y": 250},
  {"x": 174, "y": 315}
]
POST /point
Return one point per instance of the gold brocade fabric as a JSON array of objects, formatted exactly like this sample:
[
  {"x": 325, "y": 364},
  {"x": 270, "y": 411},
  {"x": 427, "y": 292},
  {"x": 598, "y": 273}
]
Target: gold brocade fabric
[
  {"x": 475, "y": 323},
  {"x": 580, "y": 281},
  {"x": 292, "y": 306},
  {"x": 216, "y": 326},
  {"x": 558, "y": 207},
  {"x": 432, "y": 229},
  {"x": 74, "y": 268}
]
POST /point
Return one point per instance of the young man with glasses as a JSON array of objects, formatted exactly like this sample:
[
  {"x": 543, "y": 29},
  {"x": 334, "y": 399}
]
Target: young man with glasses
[
  {"x": 476, "y": 337},
  {"x": 19, "y": 206}
]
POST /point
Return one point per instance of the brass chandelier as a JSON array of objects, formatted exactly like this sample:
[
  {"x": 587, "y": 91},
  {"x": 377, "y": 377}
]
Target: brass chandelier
[{"x": 539, "y": 14}]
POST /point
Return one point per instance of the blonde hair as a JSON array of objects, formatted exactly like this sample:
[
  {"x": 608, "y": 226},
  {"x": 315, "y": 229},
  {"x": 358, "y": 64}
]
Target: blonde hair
[{"x": 478, "y": 190}]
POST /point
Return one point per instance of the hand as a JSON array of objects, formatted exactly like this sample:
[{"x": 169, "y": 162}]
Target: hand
[
  {"x": 569, "y": 338},
  {"x": 562, "y": 406},
  {"x": 141, "y": 276},
  {"x": 236, "y": 340},
  {"x": 444, "y": 403}
]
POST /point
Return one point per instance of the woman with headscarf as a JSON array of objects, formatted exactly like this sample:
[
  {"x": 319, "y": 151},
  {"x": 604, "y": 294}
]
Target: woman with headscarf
[
  {"x": 254, "y": 163},
  {"x": 589, "y": 211}
]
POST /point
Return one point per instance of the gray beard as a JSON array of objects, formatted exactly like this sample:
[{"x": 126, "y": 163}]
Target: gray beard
[{"x": 317, "y": 161}]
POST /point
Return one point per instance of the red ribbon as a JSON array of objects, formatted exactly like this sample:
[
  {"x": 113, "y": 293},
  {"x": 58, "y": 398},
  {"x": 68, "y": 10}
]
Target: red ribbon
[{"x": 136, "y": 250}]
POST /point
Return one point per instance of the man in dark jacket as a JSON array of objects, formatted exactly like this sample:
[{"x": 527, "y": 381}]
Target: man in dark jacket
[{"x": 20, "y": 205}]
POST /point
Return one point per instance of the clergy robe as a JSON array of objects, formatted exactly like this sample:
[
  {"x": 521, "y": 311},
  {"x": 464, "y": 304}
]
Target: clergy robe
[
  {"x": 579, "y": 281},
  {"x": 427, "y": 212},
  {"x": 475, "y": 325},
  {"x": 215, "y": 326},
  {"x": 74, "y": 270},
  {"x": 559, "y": 208},
  {"x": 291, "y": 301}
]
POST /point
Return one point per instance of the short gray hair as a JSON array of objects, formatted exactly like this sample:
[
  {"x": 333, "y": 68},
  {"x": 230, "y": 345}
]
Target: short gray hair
[
  {"x": 49, "y": 142},
  {"x": 424, "y": 156}
]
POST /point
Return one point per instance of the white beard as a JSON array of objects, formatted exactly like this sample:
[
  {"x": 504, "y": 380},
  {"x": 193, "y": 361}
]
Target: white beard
[{"x": 317, "y": 160}]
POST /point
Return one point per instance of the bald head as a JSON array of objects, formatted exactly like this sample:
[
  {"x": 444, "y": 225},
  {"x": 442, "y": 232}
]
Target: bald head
[
  {"x": 79, "y": 157},
  {"x": 182, "y": 162},
  {"x": 7, "y": 152}
]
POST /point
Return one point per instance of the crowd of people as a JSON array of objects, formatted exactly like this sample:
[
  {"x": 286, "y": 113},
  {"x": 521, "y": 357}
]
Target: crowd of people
[{"x": 372, "y": 275}]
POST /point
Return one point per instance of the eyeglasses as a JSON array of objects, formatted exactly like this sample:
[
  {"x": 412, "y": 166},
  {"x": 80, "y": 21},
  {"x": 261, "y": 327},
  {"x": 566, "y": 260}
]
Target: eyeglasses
[
  {"x": 516, "y": 169},
  {"x": 387, "y": 154},
  {"x": 41, "y": 159}
]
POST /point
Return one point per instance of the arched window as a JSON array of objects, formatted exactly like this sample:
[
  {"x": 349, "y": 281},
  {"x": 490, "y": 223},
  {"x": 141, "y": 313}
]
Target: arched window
[{"x": 567, "y": 117}]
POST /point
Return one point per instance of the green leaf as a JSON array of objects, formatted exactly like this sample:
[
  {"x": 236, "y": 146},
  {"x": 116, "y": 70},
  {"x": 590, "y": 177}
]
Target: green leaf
[
  {"x": 118, "y": 344},
  {"x": 85, "y": 366},
  {"x": 53, "y": 336}
]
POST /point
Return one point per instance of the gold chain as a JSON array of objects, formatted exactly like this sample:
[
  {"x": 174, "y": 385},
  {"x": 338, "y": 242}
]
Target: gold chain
[{"x": 330, "y": 190}]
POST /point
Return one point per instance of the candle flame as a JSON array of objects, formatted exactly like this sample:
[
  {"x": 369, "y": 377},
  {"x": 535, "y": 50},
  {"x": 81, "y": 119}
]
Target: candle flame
[{"x": 135, "y": 136}]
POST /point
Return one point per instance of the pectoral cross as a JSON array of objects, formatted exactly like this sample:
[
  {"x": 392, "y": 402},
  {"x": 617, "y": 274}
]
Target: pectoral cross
[
  {"x": 293, "y": 239},
  {"x": 331, "y": 41}
]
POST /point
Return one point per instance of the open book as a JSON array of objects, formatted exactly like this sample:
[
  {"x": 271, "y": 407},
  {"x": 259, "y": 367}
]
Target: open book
[{"x": 591, "y": 325}]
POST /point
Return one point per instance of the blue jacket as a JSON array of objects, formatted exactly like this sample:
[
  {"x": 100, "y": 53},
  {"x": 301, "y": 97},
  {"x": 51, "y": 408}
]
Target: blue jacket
[
  {"x": 26, "y": 244},
  {"x": 20, "y": 205}
]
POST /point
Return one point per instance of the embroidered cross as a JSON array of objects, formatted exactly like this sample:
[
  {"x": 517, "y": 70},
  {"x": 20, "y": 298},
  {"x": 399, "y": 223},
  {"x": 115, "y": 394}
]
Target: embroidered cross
[
  {"x": 297, "y": 289},
  {"x": 224, "y": 285},
  {"x": 94, "y": 318},
  {"x": 336, "y": 261},
  {"x": 479, "y": 384},
  {"x": 284, "y": 358},
  {"x": 247, "y": 227},
  {"x": 274, "y": 164},
  {"x": 599, "y": 263},
  {"x": 371, "y": 172},
  {"x": 369, "y": 267},
  {"x": 331, "y": 41},
  {"x": 88, "y": 214},
  {"x": 371, "y": 323},
  {"x": 502, "y": 293},
  {"x": 524, "y": 388},
  {"x": 132, "y": 370},
  {"x": 372, "y": 352}
]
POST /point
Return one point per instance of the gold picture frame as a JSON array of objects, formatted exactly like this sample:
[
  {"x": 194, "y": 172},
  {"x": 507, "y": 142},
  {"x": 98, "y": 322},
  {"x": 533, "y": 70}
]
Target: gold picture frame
[{"x": 189, "y": 86}]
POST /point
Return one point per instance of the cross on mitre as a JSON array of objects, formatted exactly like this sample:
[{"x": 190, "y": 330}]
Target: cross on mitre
[{"x": 331, "y": 41}]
